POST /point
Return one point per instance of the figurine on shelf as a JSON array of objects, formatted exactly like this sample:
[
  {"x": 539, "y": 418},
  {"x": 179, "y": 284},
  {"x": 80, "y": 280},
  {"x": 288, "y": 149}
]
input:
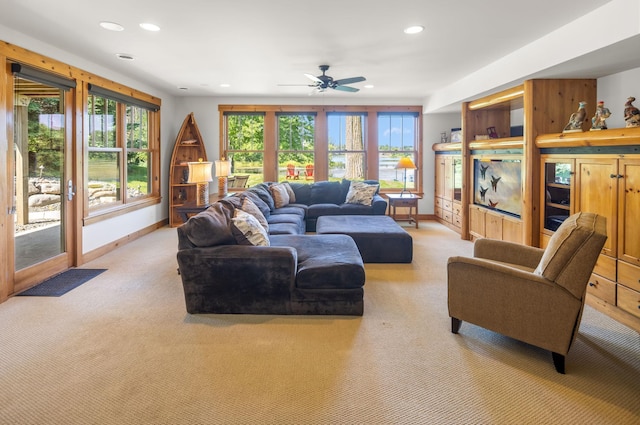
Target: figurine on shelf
[
  {"x": 598, "y": 122},
  {"x": 185, "y": 176},
  {"x": 576, "y": 119},
  {"x": 631, "y": 113}
]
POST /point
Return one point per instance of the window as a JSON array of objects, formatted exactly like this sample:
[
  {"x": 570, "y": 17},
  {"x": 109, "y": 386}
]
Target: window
[
  {"x": 120, "y": 150},
  {"x": 397, "y": 138},
  {"x": 244, "y": 135},
  {"x": 296, "y": 134},
  {"x": 346, "y": 146},
  {"x": 314, "y": 143}
]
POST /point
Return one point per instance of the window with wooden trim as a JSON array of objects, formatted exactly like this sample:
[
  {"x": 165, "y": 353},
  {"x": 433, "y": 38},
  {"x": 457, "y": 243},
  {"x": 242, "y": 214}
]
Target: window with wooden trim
[
  {"x": 244, "y": 145},
  {"x": 296, "y": 141},
  {"x": 121, "y": 150},
  {"x": 353, "y": 142},
  {"x": 398, "y": 137},
  {"x": 347, "y": 153}
]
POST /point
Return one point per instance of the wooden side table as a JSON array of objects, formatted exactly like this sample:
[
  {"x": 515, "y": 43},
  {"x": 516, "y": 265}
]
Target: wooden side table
[{"x": 405, "y": 200}]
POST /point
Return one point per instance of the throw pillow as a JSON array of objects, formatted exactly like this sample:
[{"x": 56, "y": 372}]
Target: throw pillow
[
  {"x": 292, "y": 194},
  {"x": 279, "y": 194},
  {"x": 249, "y": 206},
  {"x": 361, "y": 193},
  {"x": 264, "y": 208},
  {"x": 248, "y": 230},
  {"x": 210, "y": 227}
]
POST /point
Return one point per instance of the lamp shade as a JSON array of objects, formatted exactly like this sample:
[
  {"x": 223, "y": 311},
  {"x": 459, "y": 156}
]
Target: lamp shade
[
  {"x": 200, "y": 172},
  {"x": 223, "y": 168},
  {"x": 405, "y": 163}
]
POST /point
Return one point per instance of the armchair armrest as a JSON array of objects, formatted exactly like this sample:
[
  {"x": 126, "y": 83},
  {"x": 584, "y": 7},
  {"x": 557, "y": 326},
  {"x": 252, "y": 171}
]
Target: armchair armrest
[{"x": 507, "y": 252}]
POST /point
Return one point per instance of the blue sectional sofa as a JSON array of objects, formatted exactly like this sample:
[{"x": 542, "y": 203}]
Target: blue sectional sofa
[{"x": 273, "y": 267}]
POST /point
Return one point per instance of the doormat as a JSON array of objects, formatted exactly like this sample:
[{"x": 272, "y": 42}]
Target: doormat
[{"x": 59, "y": 285}]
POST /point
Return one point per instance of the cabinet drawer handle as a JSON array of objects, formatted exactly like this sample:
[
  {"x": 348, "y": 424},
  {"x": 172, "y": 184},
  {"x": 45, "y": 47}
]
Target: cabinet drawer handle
[{"x": 592, "y": 284}]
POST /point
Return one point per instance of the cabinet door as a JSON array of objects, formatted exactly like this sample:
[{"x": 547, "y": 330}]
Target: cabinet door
[
  {"x": 629, "y": 210},
  {"x": 596, "y": 192},
  {"x": 557, "y": 197},
  {"x": 439, "y": 177},
  {"x": 448, "y": 178}
]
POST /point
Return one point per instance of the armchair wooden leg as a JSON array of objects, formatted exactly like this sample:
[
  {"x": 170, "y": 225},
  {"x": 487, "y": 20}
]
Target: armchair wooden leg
[
  {"x": 558, "y": 362},
  {"x": 455, "y": 325}
]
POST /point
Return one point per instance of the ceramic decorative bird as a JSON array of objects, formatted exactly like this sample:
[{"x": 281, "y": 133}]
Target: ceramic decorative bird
[
  {"x": 631, "y": 113},
  {"x": 598, "y": 122},
  {"x": 576, "y": 119}
]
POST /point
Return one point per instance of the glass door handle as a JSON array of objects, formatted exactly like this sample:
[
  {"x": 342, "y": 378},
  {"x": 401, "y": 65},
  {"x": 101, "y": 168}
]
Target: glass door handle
[{"x": 70, "y": 192}]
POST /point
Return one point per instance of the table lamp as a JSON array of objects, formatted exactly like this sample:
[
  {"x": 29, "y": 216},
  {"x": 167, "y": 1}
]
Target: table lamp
[
  {"x": 223, "y": 169},
  {"x": 405, "y": 164},
  {"x": 200, "y": 173}
]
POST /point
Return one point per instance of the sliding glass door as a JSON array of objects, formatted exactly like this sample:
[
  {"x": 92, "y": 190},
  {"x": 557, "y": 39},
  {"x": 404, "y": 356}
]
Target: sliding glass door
[{"x": 43, "y": 189}]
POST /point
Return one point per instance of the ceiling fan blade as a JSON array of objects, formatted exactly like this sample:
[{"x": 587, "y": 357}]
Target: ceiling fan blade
[
  {"x": 313, "y": 78},
  {"x": 349, "y": 80},
  {"x": 346, "y": 88}
]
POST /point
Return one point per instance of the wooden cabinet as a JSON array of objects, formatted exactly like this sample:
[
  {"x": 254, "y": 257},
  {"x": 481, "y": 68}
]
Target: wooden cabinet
[
  {"x": 189, "y": 147},
  {"x": 448, "y": 186},
  {"x": 545, "y": 106},
  {"x": 606, "y": 181},
  {"x": 484, "y": 223}
]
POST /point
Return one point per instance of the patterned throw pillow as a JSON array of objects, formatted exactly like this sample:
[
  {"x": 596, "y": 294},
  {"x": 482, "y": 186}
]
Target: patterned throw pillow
[
  {"x": 248, "y": 230},
  {"x": 280, "y": 195},
  {"x": 249, "y": 206},
  {"x": 361, "y": 193},
  {"x": 292, "y": 194}
]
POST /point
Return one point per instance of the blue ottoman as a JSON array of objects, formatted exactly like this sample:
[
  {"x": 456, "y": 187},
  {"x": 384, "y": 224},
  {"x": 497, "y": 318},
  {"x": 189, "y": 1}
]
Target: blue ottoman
[{"x": 378, "y": 237}]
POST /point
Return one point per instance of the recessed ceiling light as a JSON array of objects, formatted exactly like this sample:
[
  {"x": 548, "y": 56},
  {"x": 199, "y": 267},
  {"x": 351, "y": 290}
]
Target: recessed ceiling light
[
  {"x": 149, "y": 27},
  {"x": 415, "y": 29},
  {"x": 111, "y": 26},
  {"x": 368, "y": 86},
  {"x": 125, "y": 56},
  {"x": 225, "y": 85},
  {"x": 183, "y": 88}
]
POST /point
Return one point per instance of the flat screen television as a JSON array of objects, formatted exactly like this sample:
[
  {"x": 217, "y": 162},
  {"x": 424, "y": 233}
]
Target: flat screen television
[{"x": 497, "y": 185}]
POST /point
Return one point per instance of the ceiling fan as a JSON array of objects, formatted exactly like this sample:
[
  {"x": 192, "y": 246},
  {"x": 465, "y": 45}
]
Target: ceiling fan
[{"x": 323, "y": 82}]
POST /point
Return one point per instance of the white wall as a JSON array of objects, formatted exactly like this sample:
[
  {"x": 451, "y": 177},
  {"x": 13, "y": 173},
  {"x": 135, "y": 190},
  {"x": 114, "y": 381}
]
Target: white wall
[{"x": 614, "y": 91}]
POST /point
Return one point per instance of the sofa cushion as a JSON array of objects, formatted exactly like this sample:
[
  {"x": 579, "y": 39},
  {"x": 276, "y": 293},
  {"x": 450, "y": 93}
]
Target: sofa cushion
[
  {"x": 280, "y": 195},
  {"x": 210, "y": 227},
  {"x": 302, "y": 192},
  {"x": 325, "y": 261},
  {"x": 247, "y": 230},
  {"x": 361, "y": 193},
  {"x": 573, "y": 232},
  {"x": 262, "y": 190},
  {"x": 317, "y": 210},
  {"x": 326, "y": 192}
]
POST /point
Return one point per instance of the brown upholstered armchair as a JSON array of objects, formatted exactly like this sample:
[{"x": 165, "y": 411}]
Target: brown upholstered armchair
[{"x": 530, "y": 294}]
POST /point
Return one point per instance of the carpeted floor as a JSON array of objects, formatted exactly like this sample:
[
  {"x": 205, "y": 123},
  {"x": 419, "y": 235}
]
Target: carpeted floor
[{"x": 121, "y": 349}]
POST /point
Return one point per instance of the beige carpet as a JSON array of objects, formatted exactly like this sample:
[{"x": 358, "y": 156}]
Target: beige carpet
[{"x": 121, "y": 349}]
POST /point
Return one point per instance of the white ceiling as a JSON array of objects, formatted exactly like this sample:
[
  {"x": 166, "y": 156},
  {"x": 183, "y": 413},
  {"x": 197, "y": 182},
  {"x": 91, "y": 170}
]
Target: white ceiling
[{"x": 256, "y": 45}]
